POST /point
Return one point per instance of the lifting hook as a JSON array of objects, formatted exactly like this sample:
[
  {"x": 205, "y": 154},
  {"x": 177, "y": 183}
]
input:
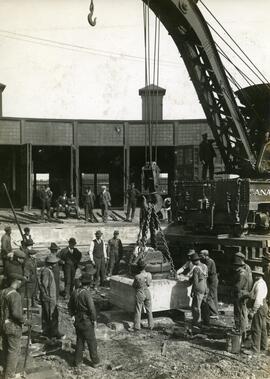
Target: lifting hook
[{"x": 92, "y": 21}]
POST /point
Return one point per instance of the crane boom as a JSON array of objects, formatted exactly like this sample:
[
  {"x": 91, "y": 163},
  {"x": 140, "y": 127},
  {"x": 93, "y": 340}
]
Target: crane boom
[{"x": 190, "y": 32}]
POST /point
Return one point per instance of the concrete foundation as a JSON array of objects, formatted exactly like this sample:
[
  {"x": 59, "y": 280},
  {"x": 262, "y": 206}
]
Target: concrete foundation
[{"x": 166, "y": 294}]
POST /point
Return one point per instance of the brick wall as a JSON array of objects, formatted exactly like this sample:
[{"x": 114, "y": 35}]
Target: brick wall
[
  {"x": 10, "y": 132},
  {"x": 100, "y": 134},
  {"x": 191, "y": 133},
  {"x": 162, "y": 134},
  {"x": 47, "y": 133}
]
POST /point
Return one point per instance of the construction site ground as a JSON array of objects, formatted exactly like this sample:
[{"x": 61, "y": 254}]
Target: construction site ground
[{"x": 172, "y": 350}]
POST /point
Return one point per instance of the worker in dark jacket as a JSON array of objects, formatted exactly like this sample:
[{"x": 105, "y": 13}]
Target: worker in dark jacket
[
  {"x": 6, "y": 249},
  {"x": 89, "y": 204},
  {"x": 70, "y": 256},
  {"x": 98, "y": 255},
  {"x": 82, "y": 309},
  {"x": 199, "y": 287},
  {"x": 105, "y": 202},
  {"x": 11, "y": 321},
  {"x": 240, "y": 294},
  {"x": 48, "y": 299},
  {"x": 212, "y": 283},
  {"x": 207, "y": 155},
  {"x": 132, "y": 196},
  {"x": 30, "y": 271},
  {"x": 16, "y": 266},
  {"x": 115, "y": 253},
  {"x": 143, "y": 296},
  {"x": 45, "y": 196},
  {"x": 55, "y": 268}
]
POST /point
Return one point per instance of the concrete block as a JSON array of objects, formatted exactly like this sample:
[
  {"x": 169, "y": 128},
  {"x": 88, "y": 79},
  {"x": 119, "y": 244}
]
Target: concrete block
[
  {"x": 166, "y": 294},
  {"x": 159, "y": 322}
]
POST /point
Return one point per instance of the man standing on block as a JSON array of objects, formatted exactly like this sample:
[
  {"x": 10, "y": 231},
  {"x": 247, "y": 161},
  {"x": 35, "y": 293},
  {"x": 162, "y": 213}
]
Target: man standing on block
[
  {"x": 70, "y": 256},
  {"x": 143, "y": 297},
  {"x": 115, "y": 253},
  {"x": 98, "y": 255},
  {"x": 82, "y": 308}
]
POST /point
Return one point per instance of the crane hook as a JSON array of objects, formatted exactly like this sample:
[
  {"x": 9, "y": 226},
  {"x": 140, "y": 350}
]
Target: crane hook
[{"x": 91, "y": 21}]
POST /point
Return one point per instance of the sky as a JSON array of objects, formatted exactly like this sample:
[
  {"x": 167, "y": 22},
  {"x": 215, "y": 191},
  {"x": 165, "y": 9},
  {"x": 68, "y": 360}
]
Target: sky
[{"x": 55, "y": 65}]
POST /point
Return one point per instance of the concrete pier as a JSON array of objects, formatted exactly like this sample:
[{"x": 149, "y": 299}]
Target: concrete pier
[{"x": 166, "y": 294}]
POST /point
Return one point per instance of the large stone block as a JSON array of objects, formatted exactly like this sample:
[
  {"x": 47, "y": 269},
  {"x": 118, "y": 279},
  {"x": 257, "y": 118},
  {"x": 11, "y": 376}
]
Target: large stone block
[{"x": 166, "y": 294}]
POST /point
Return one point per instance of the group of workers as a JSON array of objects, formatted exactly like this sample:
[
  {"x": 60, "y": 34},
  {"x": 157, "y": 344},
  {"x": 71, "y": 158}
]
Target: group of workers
[
  {"x": 251, "y": 295},
  {"x": 69, "y": 205},
  {"x": 23, "y": 281}
]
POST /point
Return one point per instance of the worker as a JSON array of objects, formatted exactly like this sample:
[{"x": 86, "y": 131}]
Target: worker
[
  {"x": 45, "y": 196},
  {"x": 186, "y": 269},
  {"x": 82, "y": 309},
  {"x": 6, "y": 249},
  {"x": 55, "y": 268},
  {"x": 89, "y": 204},
  {"x": 26, "y": 234},
  {"x": 212, "y": 283},
  {"x": 15, "y": 265},
  {"x": 98, "y": 255},
  {"x": 143, "y": 296},
  {"x": 70, "y": 257},
  {"x": 30, "y": 271},
  {"x": 73, "y": 205},
  {"x": 258, "y": 313},
  {"x": 11, "y": 321},
  {"x": 62, "y": 204},
  {"x": 240, "y": 295},
  {"x": 115, "y": 253},
  {"x": 105, "y": 202},
  {"x": 48, "y": 299},
  {"x": 207, "y": 155},
  {"x": 246, "y": 267},
  {"x": 132, "y": 195},
  {"x": 199, "y": 287},
  {"x": 266, "y": 268}
]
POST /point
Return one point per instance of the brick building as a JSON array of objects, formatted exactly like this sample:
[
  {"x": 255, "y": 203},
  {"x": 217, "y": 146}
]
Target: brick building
[{"x": 72, "y": 154}]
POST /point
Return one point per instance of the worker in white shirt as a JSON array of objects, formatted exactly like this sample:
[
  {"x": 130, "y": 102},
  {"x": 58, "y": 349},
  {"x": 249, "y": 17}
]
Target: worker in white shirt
[
  {"x": 98, "y": 255},
  {"x": 187, "y": 268},
  {"x": 258, "y": 312}
]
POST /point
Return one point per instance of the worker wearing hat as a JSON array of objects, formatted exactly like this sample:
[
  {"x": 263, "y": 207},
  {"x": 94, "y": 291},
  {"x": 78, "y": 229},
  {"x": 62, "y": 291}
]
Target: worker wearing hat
[
  {"x": 30, "y": 271},
  {"x": 6, "y": 249},
  {"x": 105, "y": 202},
  {"x": 258, "y": 312},
  {"x": 266, "y": 269},
  {"x": 53, "y": 248},
  {"x": 70, "y": 257},
  {"x": 199, "y": 287},
  {"x": 186, "y": 269},
  {"x": 115, "y": 253},
  {"x": 98, "y": 255},
  {"x": 82, "y": 308},
  {"x": 240, "y": 292},
  {"x": 207, "y": 155},
  {"x": 15, "y": 265},
  {"x": 48, "y": 298},
  {"x": 11, "y": 321}
]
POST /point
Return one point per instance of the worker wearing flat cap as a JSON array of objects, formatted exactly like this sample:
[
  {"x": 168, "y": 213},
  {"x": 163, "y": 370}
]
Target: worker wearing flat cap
[
  {"x": 98, "y": 255},
  {"x": 11, "y": 321},
  {"x": 50, "y": 327},
  {"x": 6, "y": 249},
  {"x": 82, "y": 309},
  {"x": 70, "y": 257},
  {"x": 115, "y": 253}
]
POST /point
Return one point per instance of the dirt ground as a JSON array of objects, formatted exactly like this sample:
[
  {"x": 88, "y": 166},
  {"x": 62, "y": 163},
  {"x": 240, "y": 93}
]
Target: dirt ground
[{"x": 171, "y": 350}]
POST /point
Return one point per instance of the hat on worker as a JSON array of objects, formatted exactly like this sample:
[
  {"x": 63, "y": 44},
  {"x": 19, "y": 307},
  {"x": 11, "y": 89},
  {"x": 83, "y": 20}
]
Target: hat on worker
[
  {"x": 51, "y": 259},
  {"x": 15, "y": 276},
  {"x": 26, "y": 229},
  {"x": 86, "y": 278},
  {"x": 98, "y": 233},
  {"x": 141, "y": 264},
  {"x": 240, "y": 255},
  {"x": 72, "y": 241},
  {"x": 116, "y": 232},
  {"x": 204, "y": 252},
  {"x": 195, "y": 257},
  {"x": 238, "y": 261},
  {"x": 191, "y": 252},
  {"x": 258, "y": 270},
  {"x": 19, "y": 254},
  {"x": 204, "y": 135},
  {"x": 53, "y": 246}
]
